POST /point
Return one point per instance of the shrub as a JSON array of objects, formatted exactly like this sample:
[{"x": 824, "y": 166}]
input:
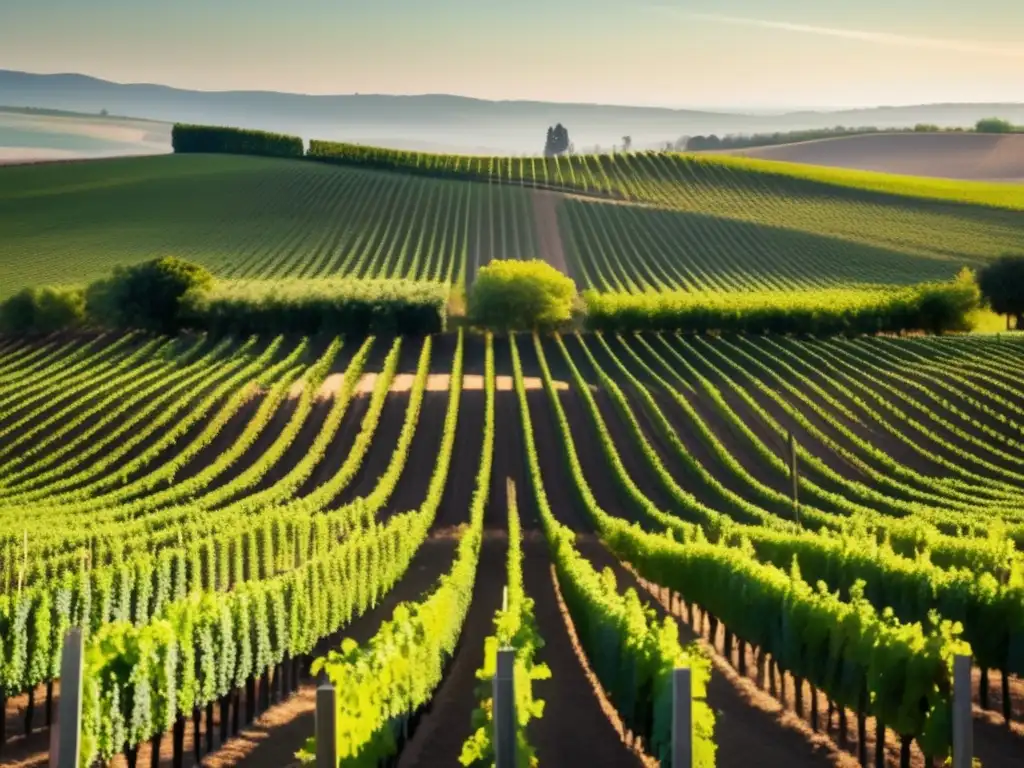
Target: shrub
[
  {"x": 932, "y": 307},
  {"x": 994, "y": 125},
  {"x": 309, "y": 307},
  {"x": 233, "y": 141},
  {"x": 45, "y": 309},
  {"x": 154, "y": 295},
  {"x": 521, "y": 296}
]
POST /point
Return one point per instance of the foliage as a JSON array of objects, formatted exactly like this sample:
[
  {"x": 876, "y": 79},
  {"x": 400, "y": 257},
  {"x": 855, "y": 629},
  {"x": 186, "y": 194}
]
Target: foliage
[
  {"x": 935, "y": 308},
  {"x": 995, "y": 125},
  {"x": 384, "y": 682},
  {"x": 632, "y": 653},
  {"x": 521, "y": 295},
  {"x": 515, "y": 628},
  {"x": 155, "y": 295},
  {"x": 846, "y": 648},
  {"x": 233, "y": 141},
  {"x": 43, "y": 310},
  {"x": 334, "y": 306},
  {"x": 1002, "y": 285},
  {"x": 557, "y": 141}
]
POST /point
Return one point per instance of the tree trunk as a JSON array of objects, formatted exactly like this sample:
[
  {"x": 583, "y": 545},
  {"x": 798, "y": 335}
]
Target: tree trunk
[
  {"x": 225, "y": 706},
  {"x": 30, "y": 710},
  {"x": 727, "y": 647},
  {"x": 49, "y": 703},
  {"x": 1020, "y": 321},
  {"x": 983, "y": 689},
  {"x": 842, "y": 727},
  {"x": 879, "y": 744},
  {"x": 197, "y": 734},
  {"x": 236, "y": 713},
  {"x": 772, "y": 689},
  {"x": 131, "y": 756},
  {"x": 282, "y": 683},
  {"x": 250, "y": 700},
  {"x": 905, "y": 742},
  {"x": 814, "y": 709},
  {"x": 178, "y": 742},
  {"x": 742, "y": 651},
  {"x": 209, "y": 727},
  {"x": 265, "y": 690},
  {"x": 862, "y": 738},
  {"x": 154, "y": 751},
  {"x": 862, "y": 727},
  {"x": 782, "y": 687},
  {"x": 760, "y": 668},
  {"x": 798, "y": 689},
  {"x": 1007, "y": 702}
]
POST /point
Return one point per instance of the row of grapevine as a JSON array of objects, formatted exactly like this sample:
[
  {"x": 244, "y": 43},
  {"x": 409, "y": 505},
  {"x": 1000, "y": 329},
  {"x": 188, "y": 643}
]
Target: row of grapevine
[
  {"x": 385, "y": 682},
  {"x": 632, "y": 654},
  {"x": 255, "y": 219},
  {"x": 516, "y": 629},
  {"x": 991, "y": 614},
  {"x": 843, "y": 647}
]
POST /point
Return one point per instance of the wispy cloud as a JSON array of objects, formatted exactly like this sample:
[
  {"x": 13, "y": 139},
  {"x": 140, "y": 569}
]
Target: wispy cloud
[{"x": 975, "y": 47}]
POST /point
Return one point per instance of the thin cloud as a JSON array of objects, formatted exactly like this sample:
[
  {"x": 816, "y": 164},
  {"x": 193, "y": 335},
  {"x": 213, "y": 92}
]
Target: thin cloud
[{"x": 879, "y": 38}]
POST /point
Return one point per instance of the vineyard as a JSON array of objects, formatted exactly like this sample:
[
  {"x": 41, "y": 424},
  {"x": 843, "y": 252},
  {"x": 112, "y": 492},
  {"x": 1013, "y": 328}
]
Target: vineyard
[
  {"x": 231, "y": 519},
  {"x": 629, "y": 223}
]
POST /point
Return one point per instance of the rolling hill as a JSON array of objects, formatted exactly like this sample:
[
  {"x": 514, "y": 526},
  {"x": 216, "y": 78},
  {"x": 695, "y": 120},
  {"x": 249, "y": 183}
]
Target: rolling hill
[
  {"x": 29, "y": 135},
  {"x": 975, "y": 156},
  {"x": 690, "y": 224}
]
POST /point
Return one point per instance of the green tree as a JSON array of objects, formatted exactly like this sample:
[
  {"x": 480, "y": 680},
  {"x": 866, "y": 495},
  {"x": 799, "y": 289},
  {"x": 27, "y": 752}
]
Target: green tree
[
  {"x": 993, "y": 125},
  {"x": 154, "y": 295},
  {"x": 45, "y": 309},
  {"x": 1002, "y": 286},
  {"x": 557, "y": 142},
  {"x": 521, "y": 296}
]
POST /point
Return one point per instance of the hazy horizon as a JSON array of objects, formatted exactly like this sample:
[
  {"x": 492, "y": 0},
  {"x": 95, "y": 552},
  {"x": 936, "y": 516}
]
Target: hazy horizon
[{"x": 729, "y": 55}]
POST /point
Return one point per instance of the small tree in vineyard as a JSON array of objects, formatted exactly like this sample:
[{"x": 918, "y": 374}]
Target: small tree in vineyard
[
  {"x": 1002, "y": 286},
  {"x": 521, "y": 296},
  {"x": 154, "y": 295}
]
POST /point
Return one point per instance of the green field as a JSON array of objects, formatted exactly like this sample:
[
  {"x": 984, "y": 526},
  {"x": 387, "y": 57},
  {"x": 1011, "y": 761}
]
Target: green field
[{"x": 719, "y": 226}]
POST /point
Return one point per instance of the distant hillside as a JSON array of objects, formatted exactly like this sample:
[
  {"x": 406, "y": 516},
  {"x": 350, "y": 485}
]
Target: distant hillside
[
  {"x": 442, "y": 122},
  {"x": 28, "y": 135},
  {"x": 978, "y": 156}
]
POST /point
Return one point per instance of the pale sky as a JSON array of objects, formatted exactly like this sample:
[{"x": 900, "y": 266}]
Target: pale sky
[{"x": 680, "y": 53}]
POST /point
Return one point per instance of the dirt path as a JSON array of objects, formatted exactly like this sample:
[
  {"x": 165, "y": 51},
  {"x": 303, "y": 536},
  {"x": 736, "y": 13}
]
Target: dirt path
[
  {"x": 575, "y": 729},
  {"x": 447, "y": 723},
  {"x": 545, "y": 222}
]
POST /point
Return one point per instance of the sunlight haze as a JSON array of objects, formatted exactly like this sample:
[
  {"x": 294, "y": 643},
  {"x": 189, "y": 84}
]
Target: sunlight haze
[{"x": 737, "y": 54}]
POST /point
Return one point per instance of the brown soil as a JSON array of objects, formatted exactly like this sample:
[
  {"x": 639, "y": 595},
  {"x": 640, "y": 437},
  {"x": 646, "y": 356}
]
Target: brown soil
[
  {"x": 944, "y": 155},
  {"x": 446, "y": 723},
  {"x": 545, "y": 222},
  {"x": 339, "y": 447},
  {"x": 594, "y": 734}
]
